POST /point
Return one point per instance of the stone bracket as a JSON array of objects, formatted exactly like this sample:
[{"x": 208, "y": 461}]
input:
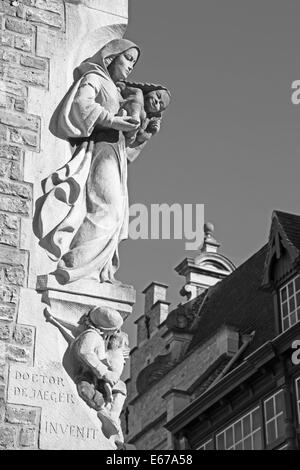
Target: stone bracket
[{"x": 84, "y": 294}]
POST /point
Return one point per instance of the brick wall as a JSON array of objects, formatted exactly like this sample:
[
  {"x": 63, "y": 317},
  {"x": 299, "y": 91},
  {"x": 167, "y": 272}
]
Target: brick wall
[
  {"x": 138, "y": 360},
  {"x": 21, "y": 69}
]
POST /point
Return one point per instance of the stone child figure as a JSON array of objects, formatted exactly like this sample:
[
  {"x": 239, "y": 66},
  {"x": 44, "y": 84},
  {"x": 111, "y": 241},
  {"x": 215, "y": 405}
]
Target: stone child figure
[
  {"x": 145, "y": 103},
  {"x": 116, "y": 354},
  {"x": 95, "y": 361}
]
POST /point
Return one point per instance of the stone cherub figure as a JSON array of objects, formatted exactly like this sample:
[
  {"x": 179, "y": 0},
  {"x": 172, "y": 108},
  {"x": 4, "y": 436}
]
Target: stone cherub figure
[
  {"x": 95, "y": 360},
  {"x": 116, "y": 354},
  {"x": 145, "y": 103}
]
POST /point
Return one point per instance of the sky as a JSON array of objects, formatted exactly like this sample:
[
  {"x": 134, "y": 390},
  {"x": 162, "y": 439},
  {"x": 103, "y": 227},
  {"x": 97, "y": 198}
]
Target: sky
[{"x": 230, "y": 138}]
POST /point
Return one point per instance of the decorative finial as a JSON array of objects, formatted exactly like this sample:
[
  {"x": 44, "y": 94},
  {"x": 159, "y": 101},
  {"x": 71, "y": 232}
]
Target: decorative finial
[{"x": 210, "y": 244}]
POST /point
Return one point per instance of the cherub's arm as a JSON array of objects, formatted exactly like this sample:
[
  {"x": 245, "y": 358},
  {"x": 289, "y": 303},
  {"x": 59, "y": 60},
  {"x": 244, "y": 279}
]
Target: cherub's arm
[
  {"x": 150, "y": 128},
  {"x": 116, "y": 360},
  {"x": 153, "y": 125},
  {"x": 60, "y": 324}
]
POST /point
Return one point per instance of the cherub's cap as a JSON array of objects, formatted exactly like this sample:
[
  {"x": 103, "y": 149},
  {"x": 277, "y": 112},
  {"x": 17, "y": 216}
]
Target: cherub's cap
[{"x": 106, "y": 318}]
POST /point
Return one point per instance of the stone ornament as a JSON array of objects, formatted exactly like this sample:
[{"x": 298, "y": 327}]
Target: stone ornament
[
  {"x": 94, "y": 360},
  {"x": 84, "y": 214}
]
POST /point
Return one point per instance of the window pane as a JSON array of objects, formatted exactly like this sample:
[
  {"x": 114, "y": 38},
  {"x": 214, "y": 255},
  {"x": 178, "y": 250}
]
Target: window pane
[
  {"x": 292, "y": 304},
  {"x": 239, "y": 446},
  {"x": 290, "y": 288},
  {"x": 271, "y": 431},
  {"x": 246, "y": 425},
  {"x": 209, "y": 445},
  {"x": 293, "y": 319},
  {"x": 284, "y": 309},
  {"x": 283, "y": 294},
  {"x": 269, "y": 409},
  {"x": 280, "y": 425},
  {"x": 298, "y": 314},
  {"x": 286, "y": 324},
  {"x": 279, "y": 402},
  {"x": 297, "y": 282},
  {"x": 238, "y": 431},
  {"x": 248, "y": 443},
  {"x": 229, "y": 437},
  {"x": 298, "y": 299},
  {"x": 256, "y": 419},
  {"x": 257, "y": 444},
  {"x": 220, "y": 442}
]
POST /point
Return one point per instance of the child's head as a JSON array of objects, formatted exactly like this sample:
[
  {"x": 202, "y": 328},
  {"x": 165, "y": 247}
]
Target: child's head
[
  {"x": 156, "y": 97},
  {"x": 105, "y": 319},
  {"x": 156, "y": 101},
  {"x": 118, "y": 340}
]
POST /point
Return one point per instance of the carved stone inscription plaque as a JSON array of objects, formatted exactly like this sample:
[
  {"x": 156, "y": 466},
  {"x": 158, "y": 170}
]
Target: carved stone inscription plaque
[{"x": 65, "y": 422}]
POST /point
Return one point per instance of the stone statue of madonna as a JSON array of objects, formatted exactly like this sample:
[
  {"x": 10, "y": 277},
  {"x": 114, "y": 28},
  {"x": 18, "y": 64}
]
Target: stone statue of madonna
[{"x": 84, "y": 214}]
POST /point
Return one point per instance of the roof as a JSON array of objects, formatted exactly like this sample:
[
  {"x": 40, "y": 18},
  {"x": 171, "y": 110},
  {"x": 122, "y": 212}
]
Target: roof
[
  {"x": 239, "y": 302},
  {"x": 290, "y": 223}
]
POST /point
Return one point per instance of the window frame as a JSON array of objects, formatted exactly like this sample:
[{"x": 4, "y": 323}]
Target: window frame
[
  {"x": 282, "y": 447},
  {"x": 279, "y": 442},
  {"x": 286, "y": 301},
  {"x": 251, "y": 434},
  {"x": 205, "y": 443},
  {"x": 274, "y": 418}
]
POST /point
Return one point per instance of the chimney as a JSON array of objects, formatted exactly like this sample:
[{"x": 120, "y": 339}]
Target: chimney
[
  {"x": 155, "y": 313},
  {"x": 153, "y": 293}
]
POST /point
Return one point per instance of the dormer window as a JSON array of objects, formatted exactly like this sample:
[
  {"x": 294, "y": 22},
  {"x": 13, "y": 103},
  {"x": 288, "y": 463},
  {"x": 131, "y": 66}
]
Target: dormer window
[{"x": 289, "y": 297}]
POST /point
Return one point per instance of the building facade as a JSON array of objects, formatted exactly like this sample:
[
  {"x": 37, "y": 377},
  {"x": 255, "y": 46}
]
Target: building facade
[{"x": 221, "y": 371}]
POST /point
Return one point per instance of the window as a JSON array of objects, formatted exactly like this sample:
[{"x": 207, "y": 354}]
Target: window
[
  {"x": 274, "y": 417},
  {"x": 297, "y": 383},
  {"x": 244, "y": 434},
  {"x": 208, "y": 445},
  {"x": 290, "y": 303}
]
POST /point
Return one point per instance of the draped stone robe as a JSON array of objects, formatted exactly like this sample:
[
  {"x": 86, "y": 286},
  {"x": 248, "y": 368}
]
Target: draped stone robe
[{"x": 83, "y": 214}]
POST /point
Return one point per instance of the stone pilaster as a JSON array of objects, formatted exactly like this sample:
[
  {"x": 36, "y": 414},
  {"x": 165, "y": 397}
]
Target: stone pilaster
[{"x": 41, "y": 43}]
